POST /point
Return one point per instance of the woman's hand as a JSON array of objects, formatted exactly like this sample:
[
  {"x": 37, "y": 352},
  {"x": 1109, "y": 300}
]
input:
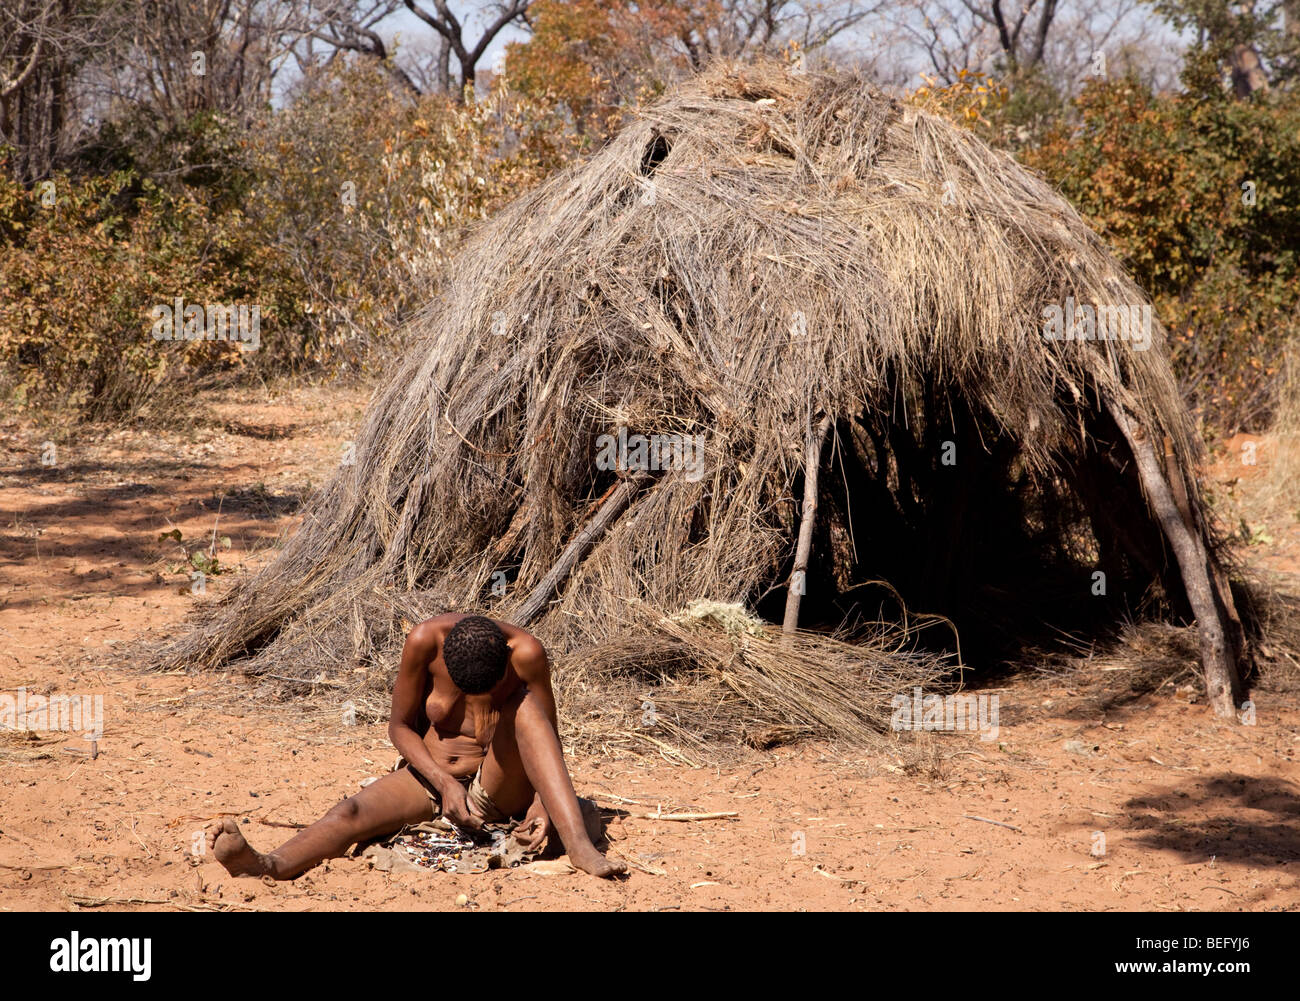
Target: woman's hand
[
  {"x": 455, "y": 806},
  {"x": 536, "y": 826}
]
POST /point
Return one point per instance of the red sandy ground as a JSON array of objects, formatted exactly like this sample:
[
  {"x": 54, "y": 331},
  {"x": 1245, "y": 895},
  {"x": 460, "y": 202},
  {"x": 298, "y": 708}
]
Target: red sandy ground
[{"x": 1196, "y": 815}]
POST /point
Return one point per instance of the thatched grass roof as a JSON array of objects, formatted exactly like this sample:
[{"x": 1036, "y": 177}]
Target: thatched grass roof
[{"x": 758, "y": 251}]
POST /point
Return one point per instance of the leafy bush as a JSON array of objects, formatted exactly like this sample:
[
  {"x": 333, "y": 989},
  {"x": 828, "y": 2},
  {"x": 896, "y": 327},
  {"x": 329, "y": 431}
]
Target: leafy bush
[
  {"x": 1200, "y": 195},
  {"x": 364, "y": 194},
  {"x": 81, "y": 276},
  {"x": 334, "y": 216}
]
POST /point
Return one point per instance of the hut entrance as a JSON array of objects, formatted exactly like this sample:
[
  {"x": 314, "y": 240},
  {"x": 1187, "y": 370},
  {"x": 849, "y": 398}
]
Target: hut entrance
[{"x": 942, "y": 517}]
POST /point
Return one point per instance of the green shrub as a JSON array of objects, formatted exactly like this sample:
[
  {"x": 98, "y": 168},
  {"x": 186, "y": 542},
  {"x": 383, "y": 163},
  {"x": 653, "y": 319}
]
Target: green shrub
[
  {"x": 1201, "y": 197},
  {"x": 82, "y": 275},
  {"x": 334, "y": 216}
]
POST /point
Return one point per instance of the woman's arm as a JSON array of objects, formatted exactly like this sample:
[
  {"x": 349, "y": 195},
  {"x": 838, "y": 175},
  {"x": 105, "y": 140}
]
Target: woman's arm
[
  {"x": 534, "y": 669},
  {"x": 420, "y": 650}
]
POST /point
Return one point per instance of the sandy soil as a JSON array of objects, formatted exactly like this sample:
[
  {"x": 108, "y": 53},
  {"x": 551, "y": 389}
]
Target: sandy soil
[{"x": 1194, "y": 815}]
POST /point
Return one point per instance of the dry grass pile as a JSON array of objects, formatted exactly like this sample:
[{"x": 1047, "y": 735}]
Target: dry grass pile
[{"x": 713, "y": 673}]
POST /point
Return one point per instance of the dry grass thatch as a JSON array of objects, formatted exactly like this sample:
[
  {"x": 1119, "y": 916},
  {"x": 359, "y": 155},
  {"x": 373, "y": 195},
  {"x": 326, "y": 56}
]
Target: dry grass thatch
[{"x": 757, "y": 250}]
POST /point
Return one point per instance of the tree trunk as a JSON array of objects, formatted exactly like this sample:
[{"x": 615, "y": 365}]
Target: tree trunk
[
  {"x": 1247, "y": 71},
  {"x": 444, "y": 65}
]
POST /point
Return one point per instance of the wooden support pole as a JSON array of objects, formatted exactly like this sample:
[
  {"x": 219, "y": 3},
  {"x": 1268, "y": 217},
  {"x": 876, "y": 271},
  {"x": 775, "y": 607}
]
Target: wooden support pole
[
  {"x": 609, "y": 510},
  {"x": 1222, "y": 683},
  {"x": 1237, "y": 648},
  {"x": 798, "y": 578}
]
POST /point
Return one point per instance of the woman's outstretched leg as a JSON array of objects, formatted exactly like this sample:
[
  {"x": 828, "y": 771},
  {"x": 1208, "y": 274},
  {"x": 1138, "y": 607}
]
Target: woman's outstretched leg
[{"x": 380, "y": 808}]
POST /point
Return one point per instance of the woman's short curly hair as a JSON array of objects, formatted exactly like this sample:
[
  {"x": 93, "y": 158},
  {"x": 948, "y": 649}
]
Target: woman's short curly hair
[{"x": 476, "y": 653}]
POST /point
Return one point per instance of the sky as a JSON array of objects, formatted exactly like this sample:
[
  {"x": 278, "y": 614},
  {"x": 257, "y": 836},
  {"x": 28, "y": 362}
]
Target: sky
[{"x": 1077, "y": 27}]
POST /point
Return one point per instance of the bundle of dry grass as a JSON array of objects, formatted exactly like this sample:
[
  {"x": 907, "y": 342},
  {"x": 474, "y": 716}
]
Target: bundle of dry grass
[
  {"x": 767, "y": 275},
  {"x": 713, "y": 673}
]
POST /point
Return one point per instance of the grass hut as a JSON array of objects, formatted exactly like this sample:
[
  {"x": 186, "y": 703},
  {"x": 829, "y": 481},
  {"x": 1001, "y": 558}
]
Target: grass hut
[{"x": 786, "y": 350}]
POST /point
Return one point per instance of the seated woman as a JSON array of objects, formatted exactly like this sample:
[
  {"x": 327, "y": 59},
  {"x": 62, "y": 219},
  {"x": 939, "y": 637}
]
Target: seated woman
[{"x": 474, "y": 718}]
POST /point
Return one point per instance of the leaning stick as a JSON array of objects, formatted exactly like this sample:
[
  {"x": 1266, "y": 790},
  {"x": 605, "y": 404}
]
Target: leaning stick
[
  {"x": 612, "y": 507},
  {"x": 812, "y": 463},
  {"x": 721, "y": 815},
  {"x": 986, "y": 820},
  {"x": 1221, "y": 681},
  {"x": 1222, "y": 589}
]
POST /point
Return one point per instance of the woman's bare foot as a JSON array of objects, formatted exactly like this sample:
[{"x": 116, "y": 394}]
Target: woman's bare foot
[
  {"x": 591, "y": 861},
  {"x": 230, "y": 848}
]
